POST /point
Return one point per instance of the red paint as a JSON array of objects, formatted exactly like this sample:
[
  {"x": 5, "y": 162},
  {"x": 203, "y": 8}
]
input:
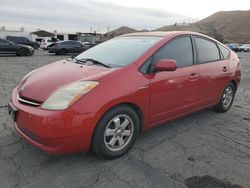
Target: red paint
[{"x": 160, "y": 96}]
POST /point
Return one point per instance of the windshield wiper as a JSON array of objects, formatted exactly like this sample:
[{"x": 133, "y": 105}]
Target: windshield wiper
[
  {"x": 83, "y": 61},
  {"x": 93, "y": 61},
  {"x": 78, "y": 60}
]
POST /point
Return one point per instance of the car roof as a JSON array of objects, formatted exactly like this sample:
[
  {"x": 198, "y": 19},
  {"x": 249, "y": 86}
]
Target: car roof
[
  {"x": 161, "y": 33},
  {"x": 68, "y": 41}
]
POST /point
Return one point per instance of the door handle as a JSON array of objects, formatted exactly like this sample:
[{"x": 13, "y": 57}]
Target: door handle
[
  {"x": 193, "y": 76},
  {"x": 225, "y": 69}
]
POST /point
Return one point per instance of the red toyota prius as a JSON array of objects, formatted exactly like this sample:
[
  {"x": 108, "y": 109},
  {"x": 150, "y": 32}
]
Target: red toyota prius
[{"x": 104, "y": 97}]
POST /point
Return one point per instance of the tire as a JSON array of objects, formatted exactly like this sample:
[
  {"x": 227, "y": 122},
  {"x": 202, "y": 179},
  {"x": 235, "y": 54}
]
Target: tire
[
  {"x": 227, "y": 98},
  {"x": 23, "y": 52},
  {"x": 116, "y": 132},
  {"x": 63, "y": 52},
  {"x": 36, "y": 46}
]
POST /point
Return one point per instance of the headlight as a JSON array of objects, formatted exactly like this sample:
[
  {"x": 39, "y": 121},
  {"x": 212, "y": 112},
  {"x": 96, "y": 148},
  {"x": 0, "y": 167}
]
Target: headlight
[{"x": 68, "y": 95}]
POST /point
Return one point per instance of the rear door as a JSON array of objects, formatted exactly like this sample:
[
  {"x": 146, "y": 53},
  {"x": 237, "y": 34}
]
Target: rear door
[
  {"x": 78, "y": 47},
  {"x": 213, "y": 69},
  {"x": 173, "y": 93}
]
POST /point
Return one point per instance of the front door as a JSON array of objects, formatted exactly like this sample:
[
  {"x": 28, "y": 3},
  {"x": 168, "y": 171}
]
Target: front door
[{"x": 173, "y": 93}]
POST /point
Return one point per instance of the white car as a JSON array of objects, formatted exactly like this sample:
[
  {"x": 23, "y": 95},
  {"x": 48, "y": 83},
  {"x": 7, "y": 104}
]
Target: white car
[
  {"x": 245, "y": 48},
  {"x": 46, "y": 42}
]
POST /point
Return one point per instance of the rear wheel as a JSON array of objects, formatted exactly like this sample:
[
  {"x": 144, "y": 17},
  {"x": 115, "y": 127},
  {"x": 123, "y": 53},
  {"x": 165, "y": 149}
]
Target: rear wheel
[
  {"x": 23, "y": 52},
  {"x": 227, "y": 98},
  {"x": 63, "y": 52},
  {"x": 116, "y": 132}
]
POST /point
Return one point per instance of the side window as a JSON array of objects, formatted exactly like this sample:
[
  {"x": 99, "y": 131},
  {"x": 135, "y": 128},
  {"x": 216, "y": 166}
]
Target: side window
[
  {"x": 207, "y": 50},
  {"x": 145, "y": 67},
  {"x": 23, "y": 39},
  {"x": 20, "y": 39},
  {"x": 179, "y": 49},
  {"x": 78, "y": 44},
  {"x": 225, "y": 52}
]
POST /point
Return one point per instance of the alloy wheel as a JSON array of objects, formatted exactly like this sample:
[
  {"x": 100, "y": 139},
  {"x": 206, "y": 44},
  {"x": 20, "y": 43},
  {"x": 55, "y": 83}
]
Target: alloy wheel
[
  {"x": 227, "y": 97},
  {"x": 118, "y": 132}
]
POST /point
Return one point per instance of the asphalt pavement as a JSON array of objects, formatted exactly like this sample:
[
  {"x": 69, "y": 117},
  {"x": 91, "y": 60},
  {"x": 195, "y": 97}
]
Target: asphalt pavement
[{"x": 205, "y": 149}]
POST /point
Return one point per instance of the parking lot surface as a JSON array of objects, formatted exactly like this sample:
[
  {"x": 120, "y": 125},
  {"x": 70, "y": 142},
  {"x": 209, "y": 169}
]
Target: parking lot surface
[{"x": 205, "y": 149}]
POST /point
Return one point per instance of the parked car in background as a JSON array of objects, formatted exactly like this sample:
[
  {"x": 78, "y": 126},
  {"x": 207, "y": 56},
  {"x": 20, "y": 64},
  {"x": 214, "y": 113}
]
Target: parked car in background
[
  {"x": 244, "y": 48},
  {"x": 70, "y": 46},
  {"x": 103, "y": 98},
  {"x": 9, "y": 47},
  {"x": 23, "y": 40},
  {"x": 233, "y": 46},
  {"x": 48, "y": 41}
]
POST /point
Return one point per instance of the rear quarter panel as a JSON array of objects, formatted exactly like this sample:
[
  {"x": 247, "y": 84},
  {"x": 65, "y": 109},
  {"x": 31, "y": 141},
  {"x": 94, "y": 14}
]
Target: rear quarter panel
[{"x": 235, "y": 67}]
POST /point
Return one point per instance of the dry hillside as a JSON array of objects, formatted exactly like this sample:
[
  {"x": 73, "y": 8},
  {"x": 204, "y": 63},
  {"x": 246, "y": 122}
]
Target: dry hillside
[
  {"x": 122, "y": 30},
  {"x": 233, "y": 25}
]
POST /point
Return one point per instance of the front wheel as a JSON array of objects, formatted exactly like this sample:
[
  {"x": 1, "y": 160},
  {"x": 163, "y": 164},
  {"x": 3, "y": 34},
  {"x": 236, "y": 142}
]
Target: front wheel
[
  {"x": 23, "y": 52},
  {"x": 36, "y": 46},
  {"x": 227, "y": 98},
  {"x": 63, "y": 52},
  {"x": 116, "y": 132}
]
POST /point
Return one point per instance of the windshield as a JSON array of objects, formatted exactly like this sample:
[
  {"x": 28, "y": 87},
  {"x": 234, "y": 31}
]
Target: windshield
[{"x": 120, "y": 51}]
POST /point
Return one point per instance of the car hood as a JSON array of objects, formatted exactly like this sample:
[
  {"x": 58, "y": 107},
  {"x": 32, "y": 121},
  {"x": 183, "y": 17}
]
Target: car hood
[{"x": 41, "y": 83}]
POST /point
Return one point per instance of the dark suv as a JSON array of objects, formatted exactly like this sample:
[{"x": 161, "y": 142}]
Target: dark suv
[
  {"x": 23, "y": 40},
  {"x": 8, "y": 47}
]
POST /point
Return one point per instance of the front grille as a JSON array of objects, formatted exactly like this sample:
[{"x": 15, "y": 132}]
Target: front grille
[{"x": 26, "y": 101}]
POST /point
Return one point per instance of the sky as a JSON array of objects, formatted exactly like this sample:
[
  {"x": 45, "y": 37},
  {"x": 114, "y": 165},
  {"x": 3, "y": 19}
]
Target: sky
[{"x": 99, "y": 15}]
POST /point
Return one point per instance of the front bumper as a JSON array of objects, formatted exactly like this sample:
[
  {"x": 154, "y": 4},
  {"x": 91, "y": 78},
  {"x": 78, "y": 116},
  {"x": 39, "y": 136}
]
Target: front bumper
[
  {"x": 54, "y": 132},
  {"x": 32, "y": 51}
]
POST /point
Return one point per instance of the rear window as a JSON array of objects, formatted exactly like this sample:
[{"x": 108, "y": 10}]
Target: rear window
[
  {"x": 207, "y": 50},
  {"x": 225, "y": 52}
]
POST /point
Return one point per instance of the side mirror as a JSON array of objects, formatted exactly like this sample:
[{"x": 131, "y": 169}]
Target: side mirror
[{"x": 166, "y": 65}]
